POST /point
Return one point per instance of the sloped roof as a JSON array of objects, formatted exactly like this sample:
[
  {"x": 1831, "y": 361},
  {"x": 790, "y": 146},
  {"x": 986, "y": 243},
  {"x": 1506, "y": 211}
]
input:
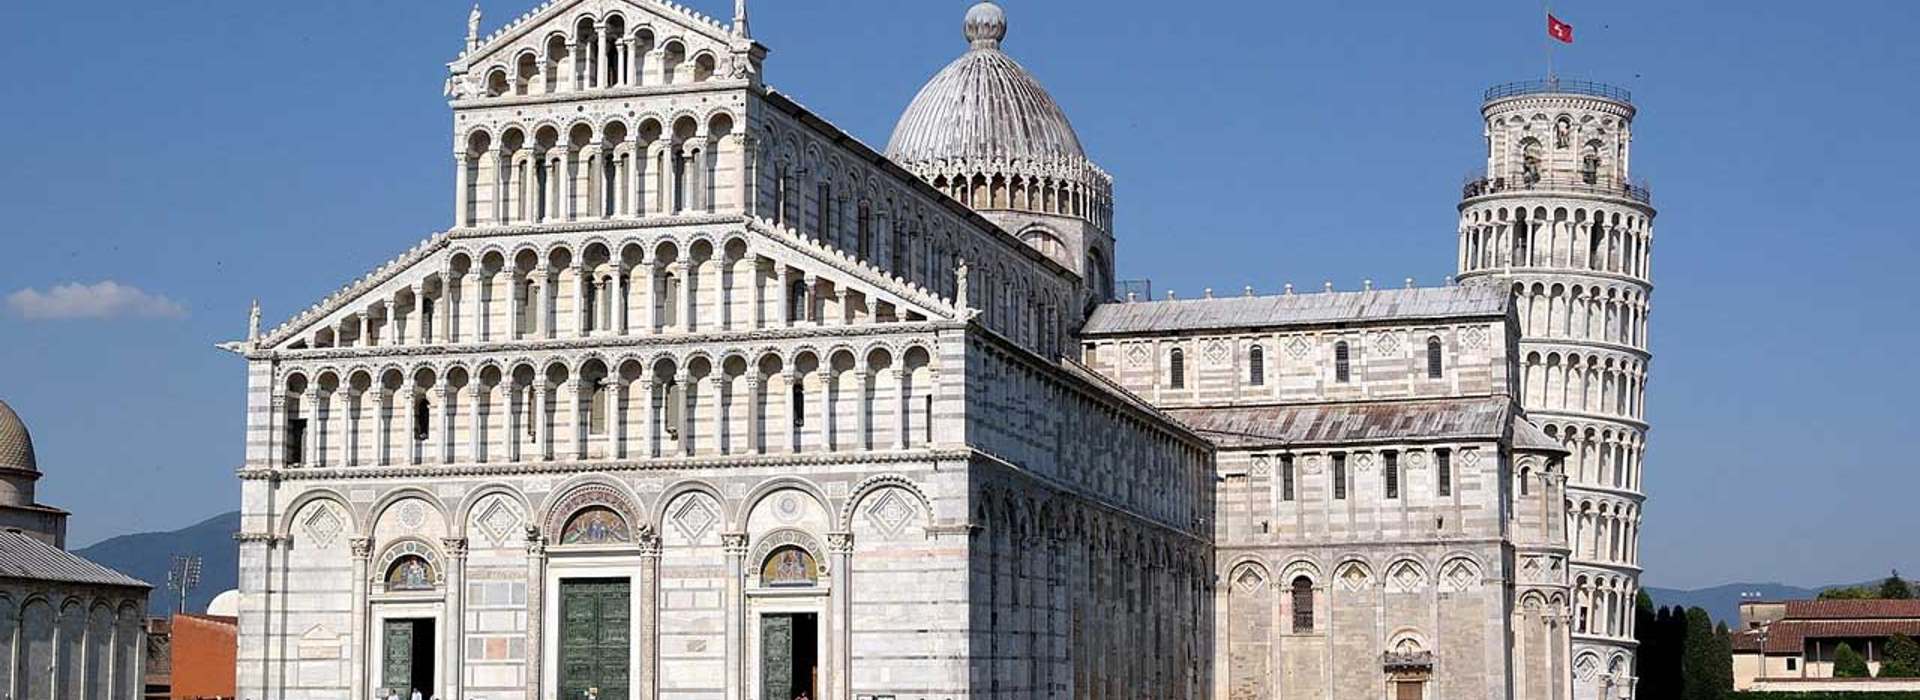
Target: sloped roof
[
  {"x": 1342, "y": 423},
  {"x": 1528, "y": 436},
  {"x": 27, "y": 558},
  {"x": 1790, "y": 636},
  {"x": 1876, "y": 609},
  {"x": 1326, "y": 308}
]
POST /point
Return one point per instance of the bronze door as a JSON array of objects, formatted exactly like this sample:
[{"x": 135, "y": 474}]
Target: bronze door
[
  {"x": 776, "y": 657},
  {"x": 595, "y": 639},
  {"x": 397, "y": 667}
]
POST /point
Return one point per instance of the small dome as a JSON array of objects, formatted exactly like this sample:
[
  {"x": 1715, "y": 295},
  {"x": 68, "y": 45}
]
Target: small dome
[
  {"x": 227, "y": 604},
  {"x": 984, "y": 106},
  {"x": 16, "y": 446}
]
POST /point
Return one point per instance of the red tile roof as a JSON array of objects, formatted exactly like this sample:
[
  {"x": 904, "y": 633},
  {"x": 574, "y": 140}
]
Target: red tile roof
[
  {"x": 1789, "y": 636},
  {"x": 1852, "y": 609}
]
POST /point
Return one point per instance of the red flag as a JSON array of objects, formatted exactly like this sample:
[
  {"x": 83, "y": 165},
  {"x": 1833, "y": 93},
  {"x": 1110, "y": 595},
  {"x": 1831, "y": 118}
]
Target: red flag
[{"x": 1559, "y": 30}]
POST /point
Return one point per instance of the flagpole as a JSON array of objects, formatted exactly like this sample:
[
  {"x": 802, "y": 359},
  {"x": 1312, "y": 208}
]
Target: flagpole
[{"x": 1547, "y": 5}]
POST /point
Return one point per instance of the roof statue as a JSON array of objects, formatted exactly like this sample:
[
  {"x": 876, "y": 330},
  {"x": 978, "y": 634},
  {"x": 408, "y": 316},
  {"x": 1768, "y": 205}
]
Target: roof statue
[
  {"x": 473, "y": 27},
  {"x": 253, "y": 322},
  {"x": 740, "y": 19}
]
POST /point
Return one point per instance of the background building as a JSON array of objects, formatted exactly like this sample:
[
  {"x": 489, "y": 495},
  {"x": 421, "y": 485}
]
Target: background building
[
  {"x": 1789, "y": 646},
  {"x": 68, "y": 627}
]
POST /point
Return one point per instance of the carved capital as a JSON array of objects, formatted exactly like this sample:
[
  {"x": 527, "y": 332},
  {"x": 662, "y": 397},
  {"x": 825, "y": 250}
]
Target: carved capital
[
  {"x": 735, "y": 543},
  {"x": 840, "y": 542},
  {"x": 362, "y": 547},
  {"x": 456, "y": 547}
]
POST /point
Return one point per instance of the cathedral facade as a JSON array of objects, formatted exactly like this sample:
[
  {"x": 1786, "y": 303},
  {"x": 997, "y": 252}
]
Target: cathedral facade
[{"x": 702, "y": 397}]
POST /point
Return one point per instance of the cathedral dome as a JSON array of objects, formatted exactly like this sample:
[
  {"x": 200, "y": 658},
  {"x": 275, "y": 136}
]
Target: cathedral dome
[
  {"x": 984, "y": 107},
  {"x": 16, "y": 446}
]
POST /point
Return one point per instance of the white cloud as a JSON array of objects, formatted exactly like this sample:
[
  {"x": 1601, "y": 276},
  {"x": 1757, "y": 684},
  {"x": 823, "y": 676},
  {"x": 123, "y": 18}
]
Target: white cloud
[{"x": 101, "y": 300}]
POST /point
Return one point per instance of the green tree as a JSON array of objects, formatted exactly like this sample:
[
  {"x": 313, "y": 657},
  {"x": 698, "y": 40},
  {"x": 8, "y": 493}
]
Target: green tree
[
  {"x": 1702, "y": 666},
  {"x": 1895, "y": 588},
  {"x": 1721, "y": 674},
  {"x": 1848, "y": 663},
  {"x": 1846, "y": 593},
  {"x": 1900, "y": 658}
]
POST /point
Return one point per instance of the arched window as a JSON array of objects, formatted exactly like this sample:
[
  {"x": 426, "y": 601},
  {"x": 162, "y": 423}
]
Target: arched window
[
  {"x": 1526, "y": 476},
  {"x": 1340, "y": 477},
  {"x": 422, "y": 419},
  {"x": 797, "y": 301},
  {"x": 1443, "y": 466},
  {"x": 597, "y": 410},
  {"x": 1434, "y": 365},
  {"x": 673, "y": 399},
  {"x": 1391, "y": 472},
  {"x": 799, "y": 407},
  {"x": 1257, "y": 366},
  {"x": 670, "y": 300},
  {"x": 1286, "y": 478},
  {"x": 1302, "y": 605},
  {"x": 823, "y": 210},
  {"x": 1342, "y": 371},
  {"x": 1177, "y": 368},
  {"x": 782, "y": 194},
  {"x": 863, "y": 223}
]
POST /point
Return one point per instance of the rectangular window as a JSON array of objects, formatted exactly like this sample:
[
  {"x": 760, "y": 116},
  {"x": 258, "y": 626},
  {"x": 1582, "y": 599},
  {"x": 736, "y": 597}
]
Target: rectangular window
[
  {"x": 1443, "y": 466},
  {"x": 1793, "y": 664},
  {"x": 1340, "y": 477},
  {"x": 1342, "y": 367},
  {"x": 1392, "y": 474},
  {"x": 1286, "y": 477}
]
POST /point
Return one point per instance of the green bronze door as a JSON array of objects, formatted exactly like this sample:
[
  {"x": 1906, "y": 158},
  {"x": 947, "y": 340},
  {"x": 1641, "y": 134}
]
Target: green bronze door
[
  {"x": 595, "y": 640},
  {"x": 776, "y": 657},
  {"x": 397, "y": 667}
]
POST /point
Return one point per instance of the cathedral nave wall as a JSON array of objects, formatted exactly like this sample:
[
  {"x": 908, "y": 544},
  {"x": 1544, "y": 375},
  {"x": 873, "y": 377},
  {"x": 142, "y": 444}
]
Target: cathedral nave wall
[{"x": 1287, "y": 364}]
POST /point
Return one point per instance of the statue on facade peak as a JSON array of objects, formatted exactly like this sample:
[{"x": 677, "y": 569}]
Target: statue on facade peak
[
  {"x": 473, "y": 27},
  {"x": 253, "y": 323}
]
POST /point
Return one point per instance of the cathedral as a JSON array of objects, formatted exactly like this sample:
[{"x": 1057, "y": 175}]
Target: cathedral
[{"x": 700, "y": 397}]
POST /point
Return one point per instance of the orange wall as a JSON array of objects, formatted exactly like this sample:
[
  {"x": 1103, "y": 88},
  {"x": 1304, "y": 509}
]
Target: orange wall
[{"x": 203, "y": 656}]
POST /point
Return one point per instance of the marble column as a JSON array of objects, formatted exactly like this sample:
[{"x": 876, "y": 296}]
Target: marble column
[
  {"x": 453, "y": 680},
  {"x": 735, "y": 545},
  {"x": 362, "y": 626},
  {"x": 840, "y": 615},
  {"x": 536, "y": 604}
]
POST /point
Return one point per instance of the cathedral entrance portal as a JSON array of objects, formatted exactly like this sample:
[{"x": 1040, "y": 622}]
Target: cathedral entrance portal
[
  {"x": 407, "y": 663},
  {"x": 595, "y": 644},
  {"x": 789, "y": 656}
]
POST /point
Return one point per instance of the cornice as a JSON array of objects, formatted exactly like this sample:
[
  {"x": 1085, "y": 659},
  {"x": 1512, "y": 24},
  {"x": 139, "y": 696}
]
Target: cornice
[
  {"x": 470, "y": 469},
  {"x": 650, "y": 341}
]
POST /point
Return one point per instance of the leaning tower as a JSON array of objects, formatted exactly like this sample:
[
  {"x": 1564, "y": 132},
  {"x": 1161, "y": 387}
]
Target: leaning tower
[{"x": 1557, "y": 218}]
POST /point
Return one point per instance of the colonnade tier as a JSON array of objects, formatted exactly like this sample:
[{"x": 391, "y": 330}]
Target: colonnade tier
[
  {"x": 1504, "y": 235},
  {"x": 1594, "y": 385},
  {"x": 1603, "y": 528},
  {"x": 1086, "y": 195},
  {"x": 548, "y": 172},
  {"x": 667, "y": 404},
  {"x": 1603, "y": 604},
  {"x": 599, "y": 53},
  {"x": 603, "y": 289},
  {"x": 634, "y": 287},
  {"x": 1602, "y": 454},
  {"x": 1554, "y": 308}
]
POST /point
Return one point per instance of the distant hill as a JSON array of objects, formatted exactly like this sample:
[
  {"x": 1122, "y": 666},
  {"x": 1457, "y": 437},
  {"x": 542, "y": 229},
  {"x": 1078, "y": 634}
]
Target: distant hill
[
  {"x": 146, "y": 556},
  {"x": 1723, "y": 601}
]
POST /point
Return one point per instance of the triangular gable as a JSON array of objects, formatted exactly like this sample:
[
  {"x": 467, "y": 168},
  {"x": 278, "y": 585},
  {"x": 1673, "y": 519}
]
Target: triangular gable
[
  {"x": 295, "y": 328},
  {"x": 546, "y": 15}
]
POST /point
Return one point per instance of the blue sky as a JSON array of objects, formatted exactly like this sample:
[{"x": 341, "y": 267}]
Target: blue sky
[{"x": 199, "y": 154}]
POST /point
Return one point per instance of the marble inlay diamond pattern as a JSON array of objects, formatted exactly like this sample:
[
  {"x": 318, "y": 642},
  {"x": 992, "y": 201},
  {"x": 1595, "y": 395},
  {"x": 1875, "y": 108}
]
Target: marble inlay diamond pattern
[
  {"x": 324, "y": 526},
  {"x": 694, "y": 518},
  {"x": 890, "y": 512}
]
